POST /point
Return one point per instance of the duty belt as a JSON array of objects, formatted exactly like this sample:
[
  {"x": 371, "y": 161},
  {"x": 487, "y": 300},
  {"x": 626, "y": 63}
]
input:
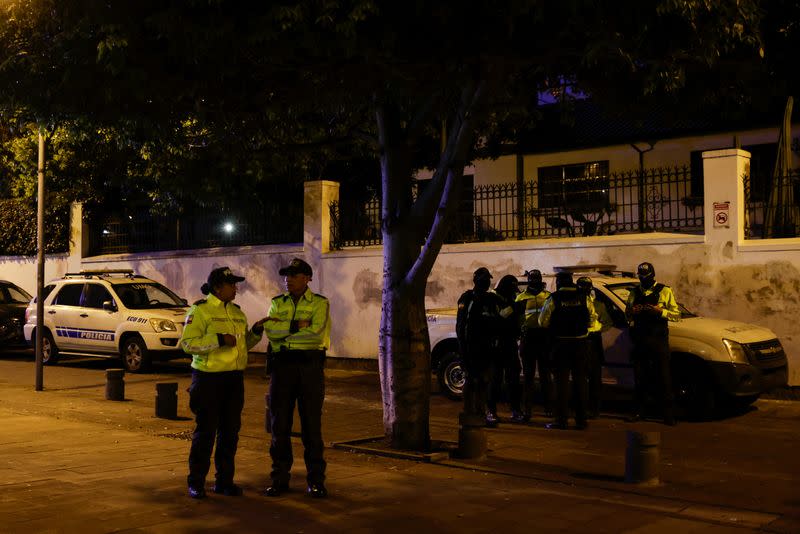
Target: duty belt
[{"x": 286, "y": 355}]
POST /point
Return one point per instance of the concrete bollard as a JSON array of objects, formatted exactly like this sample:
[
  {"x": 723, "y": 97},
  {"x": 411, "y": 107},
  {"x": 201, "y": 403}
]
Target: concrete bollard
[
  {"x": 642, "y": 457},
  {"x": 115, "y": 384},
  {"x": 472, "y": 441},
  {"x": 167, "y": 400}
]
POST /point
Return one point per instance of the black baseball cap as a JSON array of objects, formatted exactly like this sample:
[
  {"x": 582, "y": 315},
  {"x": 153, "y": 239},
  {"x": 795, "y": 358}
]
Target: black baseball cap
[
  {"x": 221, "y": 275},
  {"x": 296, "y": 266},
  {"x": 481, "y": 272}
]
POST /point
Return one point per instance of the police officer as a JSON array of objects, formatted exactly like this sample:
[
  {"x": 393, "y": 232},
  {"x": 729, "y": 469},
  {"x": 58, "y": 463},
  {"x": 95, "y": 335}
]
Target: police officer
[
  {"x": 299, "y": 333},
  {"x": 596, "y": 357},
  {"x": 650, "y": 307},
  {"x": 477, "y": 325},
  {"x": 216, "y": 335},
  {"x": 506, "y": 366},
  {"x": 535, "y": 345},
  {"x": 569, "y": 314}
]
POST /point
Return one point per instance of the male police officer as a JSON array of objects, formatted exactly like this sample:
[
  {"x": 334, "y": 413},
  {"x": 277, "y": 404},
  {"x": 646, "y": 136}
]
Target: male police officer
[
  {"x": 299, "y": 332},
  {"x": 534, "y": 347},
  {"x": 569, "y": 313},
  {"x": 596, "y": 358},
  {"x": 477, "y": 324},
  {"x": 650, "y": 306}
]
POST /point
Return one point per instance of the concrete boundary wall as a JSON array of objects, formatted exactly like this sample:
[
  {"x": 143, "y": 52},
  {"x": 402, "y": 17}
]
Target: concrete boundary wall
[{"x": 718, "y": 274}]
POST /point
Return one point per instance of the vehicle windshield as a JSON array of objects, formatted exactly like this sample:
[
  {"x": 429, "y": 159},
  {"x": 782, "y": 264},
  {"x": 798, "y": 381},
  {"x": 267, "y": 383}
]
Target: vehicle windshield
[
  {"x": 145, "y": 296},
  {"x": 16, "y": 295},
  {"x": 623, "y": 290}
]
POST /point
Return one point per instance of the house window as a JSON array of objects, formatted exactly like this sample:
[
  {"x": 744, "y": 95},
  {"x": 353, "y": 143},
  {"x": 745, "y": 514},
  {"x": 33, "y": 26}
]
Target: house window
[{"x": 580, "y": 186}]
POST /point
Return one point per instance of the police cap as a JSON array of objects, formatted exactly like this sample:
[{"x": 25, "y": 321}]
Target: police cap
[
  {"x": 296, "y": 266},
  {"x": 221, "y": 275},
  {"x": 481, "y": 273}
]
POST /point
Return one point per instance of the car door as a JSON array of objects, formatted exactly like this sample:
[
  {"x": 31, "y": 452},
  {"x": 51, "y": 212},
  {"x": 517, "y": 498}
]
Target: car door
[
  {"x": 64, "y": 312},
  {"x": 98, "y": 326},
  {"x": 617, "y": 345}
]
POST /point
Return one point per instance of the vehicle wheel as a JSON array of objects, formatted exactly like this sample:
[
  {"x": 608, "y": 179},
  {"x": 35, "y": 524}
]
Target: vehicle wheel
[
  {"x": 738, "y": 404},
  {"x": 134, "y": 354},
  {"x": 49, "y": 348},
  {"x": 451, "y": 376},
  {"x": 694, "y": 389}
]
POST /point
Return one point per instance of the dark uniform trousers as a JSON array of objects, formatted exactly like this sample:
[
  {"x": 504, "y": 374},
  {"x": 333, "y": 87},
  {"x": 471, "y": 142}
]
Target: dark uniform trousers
[
  {"x": 297, "y": 376},
  {"x": 570, "y": 356},
  {"x": 478, "y": 367},
  {"x": 217, "y": 400},
  {"x": 651, "y": 368},
  {"x": 535, "y": 350},
  {"x": 595, "y": 371},
  {"x": 506, "y": 366}
]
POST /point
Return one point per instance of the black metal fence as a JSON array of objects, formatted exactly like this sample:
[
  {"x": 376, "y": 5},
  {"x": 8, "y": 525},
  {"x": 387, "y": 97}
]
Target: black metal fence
[
  {"x": 772, "y": 206},
  {"x": 143, "y": 232},
  {"x": 617, "y": 203}
]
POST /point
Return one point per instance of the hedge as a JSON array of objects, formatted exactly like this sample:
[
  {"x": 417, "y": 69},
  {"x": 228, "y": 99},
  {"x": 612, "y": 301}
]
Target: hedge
[{"x": 18, "y": 226}]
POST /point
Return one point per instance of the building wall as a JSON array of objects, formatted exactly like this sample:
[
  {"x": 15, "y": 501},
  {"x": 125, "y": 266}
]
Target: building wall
[
  {"x": 665, "y": 153},
  {"x": 718, "y": 274}
]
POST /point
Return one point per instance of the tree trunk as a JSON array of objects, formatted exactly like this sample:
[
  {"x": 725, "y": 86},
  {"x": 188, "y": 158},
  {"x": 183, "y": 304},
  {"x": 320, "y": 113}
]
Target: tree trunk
[
  {"x": 404, "y": 357},
  {"x": 413, "y": 233}
]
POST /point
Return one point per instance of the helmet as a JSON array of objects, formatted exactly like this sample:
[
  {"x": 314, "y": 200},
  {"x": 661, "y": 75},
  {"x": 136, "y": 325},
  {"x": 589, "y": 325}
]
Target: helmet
[
  {"x": 584, "y": 283},
  {"x": 647, "y": 275},
  {"x": 564, "y": 279},
  {"x": 534, "y": 276},
  {"x": 646, "y": 270}
]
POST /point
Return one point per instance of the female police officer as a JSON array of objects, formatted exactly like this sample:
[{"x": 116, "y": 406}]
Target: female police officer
[{"x": 216, "y": 335}]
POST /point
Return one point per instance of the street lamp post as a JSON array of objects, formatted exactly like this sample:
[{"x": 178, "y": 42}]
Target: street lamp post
[{"x": 40, "y": 266}]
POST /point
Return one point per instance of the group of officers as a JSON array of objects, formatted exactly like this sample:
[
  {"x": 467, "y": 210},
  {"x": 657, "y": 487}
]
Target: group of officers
[
  {"x": 216, "y": 335},
  {"x": 504, "y": 331}
]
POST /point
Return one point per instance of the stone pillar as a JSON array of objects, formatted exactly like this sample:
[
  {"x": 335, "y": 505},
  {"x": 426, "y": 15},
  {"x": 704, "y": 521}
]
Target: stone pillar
[
  {"x": 77, "y": 244},
  {"x": 317, "y": 215},
  {"x": 317, "y": 198},
  {"x": 723, "y": 172}
]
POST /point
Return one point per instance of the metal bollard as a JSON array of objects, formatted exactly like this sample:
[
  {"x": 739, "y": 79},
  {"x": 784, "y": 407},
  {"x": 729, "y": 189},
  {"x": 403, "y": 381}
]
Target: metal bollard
[
  {"x": 167, "y": 400},
  {"x": 642, "y": 457},
  {"x": 115, "y": 384},
  {"x": 472, "y": 441}
]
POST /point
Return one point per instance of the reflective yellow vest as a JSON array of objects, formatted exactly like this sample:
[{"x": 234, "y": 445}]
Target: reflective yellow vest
[
  {"x": 205, "y": 320},
  {"x": 533, "y": 307},
  {"x": 312, "y": 308}
]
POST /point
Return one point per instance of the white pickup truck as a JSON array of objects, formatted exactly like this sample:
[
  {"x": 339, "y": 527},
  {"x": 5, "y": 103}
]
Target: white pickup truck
[{"x": 713, "y": 360}]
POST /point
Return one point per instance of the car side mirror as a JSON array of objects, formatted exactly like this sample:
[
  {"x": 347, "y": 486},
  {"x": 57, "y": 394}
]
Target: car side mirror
[{"x": 108, "y": 305}]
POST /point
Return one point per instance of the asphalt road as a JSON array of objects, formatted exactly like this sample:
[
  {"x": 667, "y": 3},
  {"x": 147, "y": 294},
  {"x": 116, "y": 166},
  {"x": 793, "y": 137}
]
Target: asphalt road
[{"x": 745, "y": 462}]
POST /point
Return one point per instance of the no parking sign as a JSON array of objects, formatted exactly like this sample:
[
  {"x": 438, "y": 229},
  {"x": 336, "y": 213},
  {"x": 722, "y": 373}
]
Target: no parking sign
[{"x": 722, "y": 214}]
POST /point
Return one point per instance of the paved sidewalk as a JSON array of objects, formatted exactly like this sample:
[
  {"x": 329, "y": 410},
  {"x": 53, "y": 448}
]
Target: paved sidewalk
[{"x": 73, "y": 462}]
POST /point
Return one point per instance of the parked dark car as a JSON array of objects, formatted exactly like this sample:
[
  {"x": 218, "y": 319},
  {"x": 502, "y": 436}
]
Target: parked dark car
[{"x": 13, "y": 301}]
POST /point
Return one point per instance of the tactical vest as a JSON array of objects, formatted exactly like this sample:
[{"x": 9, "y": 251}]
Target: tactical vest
[
  {"x": 570, "y": 317},
  {"x": 645, "y": 321}
]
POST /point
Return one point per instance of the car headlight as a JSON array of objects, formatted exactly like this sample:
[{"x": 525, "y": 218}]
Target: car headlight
[
  {"x": 736, "y": 351},
  {"x": 163, "y": 325}
]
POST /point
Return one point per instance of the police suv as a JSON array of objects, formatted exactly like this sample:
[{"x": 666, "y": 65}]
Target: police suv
[
  {"x": 109, "y": 313},
  {"x": 714, "y": 361}
]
